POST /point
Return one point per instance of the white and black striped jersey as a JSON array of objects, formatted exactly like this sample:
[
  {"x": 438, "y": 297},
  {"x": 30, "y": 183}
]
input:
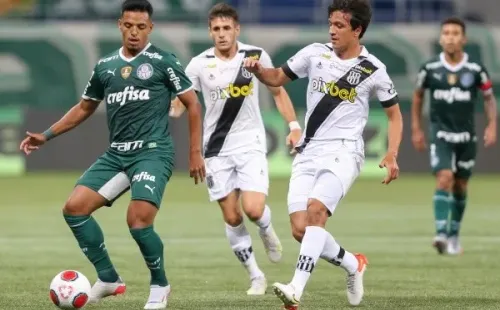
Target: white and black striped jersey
[
  {"x": 233, "y": 122},
  {"x": 338, "y": 92}
]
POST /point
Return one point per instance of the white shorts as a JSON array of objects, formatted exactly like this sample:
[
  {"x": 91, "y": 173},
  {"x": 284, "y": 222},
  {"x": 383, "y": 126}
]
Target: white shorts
[
  {"x": 246, "y": 172},
  {"x": 324, "y": 174}
]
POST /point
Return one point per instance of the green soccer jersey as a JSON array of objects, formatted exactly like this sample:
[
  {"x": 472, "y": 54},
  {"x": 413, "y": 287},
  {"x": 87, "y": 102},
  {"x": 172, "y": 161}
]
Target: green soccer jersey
[
  {"x": 137, "y": 94},
  {"x": 453, "y": 94}
]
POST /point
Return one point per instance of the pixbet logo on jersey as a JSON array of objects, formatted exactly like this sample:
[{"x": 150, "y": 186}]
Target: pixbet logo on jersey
[
  {"x": 231, "y": 91},
  {"x": 127, "y": 95},
  {"x": 331, "y": 88},
  {"x": 143, "y": 176}
]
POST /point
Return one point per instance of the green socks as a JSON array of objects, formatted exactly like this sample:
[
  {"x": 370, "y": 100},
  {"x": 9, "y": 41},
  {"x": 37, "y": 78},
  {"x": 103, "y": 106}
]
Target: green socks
[
  {"x": 91, "y": 240},
  {"x": 457, "y": 213},
  {"x": 441, "y": 211},
  {"x": 151, "y": 248}
]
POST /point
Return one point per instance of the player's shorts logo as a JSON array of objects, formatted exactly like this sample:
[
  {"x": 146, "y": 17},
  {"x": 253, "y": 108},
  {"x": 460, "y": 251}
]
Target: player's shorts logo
[
  {"x": 210, "y": 181},
  {"x": 145, "y": 71}
]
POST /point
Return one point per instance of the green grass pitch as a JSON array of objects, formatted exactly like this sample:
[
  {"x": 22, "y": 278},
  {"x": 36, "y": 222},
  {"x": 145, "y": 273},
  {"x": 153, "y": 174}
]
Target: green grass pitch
[{"x": 392, "y": 225}]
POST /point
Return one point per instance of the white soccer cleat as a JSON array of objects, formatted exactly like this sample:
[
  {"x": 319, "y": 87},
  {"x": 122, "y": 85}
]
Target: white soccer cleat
[
  {"x": 355, "y": 288},
  {"x": 258, "y": 286},
  {"x": 102, "y": 290},
  {"x": 440, "y": 242},
  {"x": 454, "y": 247},
  {"x": 272, "y": 244},
  {"x": 158, "y": 297},
  {"x": 288, "y": 295}
]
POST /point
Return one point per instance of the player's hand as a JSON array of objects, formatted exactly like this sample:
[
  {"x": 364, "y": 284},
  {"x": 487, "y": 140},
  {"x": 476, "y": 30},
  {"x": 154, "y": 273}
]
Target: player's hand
[
  {"x": 418, "y": 139},
  {"x": 252, "y": 65},
  {"x": 292, "y": 139},
  {"x": 196, "y": 167},
  {"x": 490, "y": 135},
  {"x": 32, "y": 142},
  {"x": 390, "y": 163}
]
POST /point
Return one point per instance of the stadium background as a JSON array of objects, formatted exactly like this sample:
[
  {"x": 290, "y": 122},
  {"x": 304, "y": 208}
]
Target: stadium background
[{"x": 47, "y": 50}]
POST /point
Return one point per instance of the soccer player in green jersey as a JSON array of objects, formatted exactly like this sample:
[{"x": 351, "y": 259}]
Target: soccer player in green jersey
[
  {"x": 136, "y": 84},
  {"x": 454, "y": 82}
]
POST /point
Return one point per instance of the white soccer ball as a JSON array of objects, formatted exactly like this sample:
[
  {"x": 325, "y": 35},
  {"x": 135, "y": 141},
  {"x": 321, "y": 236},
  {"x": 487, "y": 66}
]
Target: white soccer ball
[{"x": 70, "y": 289}]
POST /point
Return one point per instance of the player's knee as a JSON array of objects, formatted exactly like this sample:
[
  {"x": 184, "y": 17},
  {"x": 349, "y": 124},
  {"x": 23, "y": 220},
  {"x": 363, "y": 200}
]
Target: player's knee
[
  {"x": 233, "y": 219},
  {"x": 445, "y": 180},
  {"x": 141, "y": 214},
  {"x": 460, "y": 187},
  {"x": 254, "y": 212},
  {"x": 298, "y": 232},
  {"x": 75, "y": 207},
  {"x": 317, "y": 213}
]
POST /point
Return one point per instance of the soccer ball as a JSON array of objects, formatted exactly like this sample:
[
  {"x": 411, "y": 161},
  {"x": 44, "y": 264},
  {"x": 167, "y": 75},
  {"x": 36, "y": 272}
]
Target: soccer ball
[{"x": 70, "y": 289}]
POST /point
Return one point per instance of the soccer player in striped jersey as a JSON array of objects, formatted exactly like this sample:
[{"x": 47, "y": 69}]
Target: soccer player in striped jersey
[
  {"x": 454, "y": 82},
  {"x": 342, "y": 75},
  {"x": 235, "y": 139}
]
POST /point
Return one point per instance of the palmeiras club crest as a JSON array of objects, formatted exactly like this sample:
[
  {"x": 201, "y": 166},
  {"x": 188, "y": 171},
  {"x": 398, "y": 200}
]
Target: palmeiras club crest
[{"x": 145, "y": 71}]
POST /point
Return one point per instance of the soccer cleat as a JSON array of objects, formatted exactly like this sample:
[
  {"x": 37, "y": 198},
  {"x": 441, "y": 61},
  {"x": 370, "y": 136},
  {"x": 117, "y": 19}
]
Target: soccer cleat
[
  {"x": 102, "y": 290},
  {"x": 355, "y": 289},
  {"x": 440, "y": 243},
  {"x": 258, "y": 286},
  {"x": 272, "y": 244},
  {"x": 287, "y": 294},
  {"x": 454, "y": 247},
  {"x": 158, "y": 297}
]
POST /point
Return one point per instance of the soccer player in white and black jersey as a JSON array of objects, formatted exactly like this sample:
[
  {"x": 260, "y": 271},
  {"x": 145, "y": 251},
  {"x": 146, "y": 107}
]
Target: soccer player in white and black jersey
[
  {"x": 342, "y": 77},
  {"x": 234, "y": 137}
]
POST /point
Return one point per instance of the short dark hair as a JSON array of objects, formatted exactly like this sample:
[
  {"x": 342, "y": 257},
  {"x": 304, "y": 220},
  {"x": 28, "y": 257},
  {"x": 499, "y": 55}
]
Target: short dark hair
[
  {"x": 223, "y": 10},
  {"x": 137, "y": 6},
  {"x": 360, "y": 11},
  {"x": 454, "y": 21}
]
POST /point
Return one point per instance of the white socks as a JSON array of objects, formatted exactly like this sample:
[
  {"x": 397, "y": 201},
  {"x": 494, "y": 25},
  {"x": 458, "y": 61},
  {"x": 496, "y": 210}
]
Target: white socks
[
  {"x": 336, "y": 255},
  {"x": 241, "y": 243},
  {"x": 265, "y": 221},
  {"x": 311, "y": 248}
]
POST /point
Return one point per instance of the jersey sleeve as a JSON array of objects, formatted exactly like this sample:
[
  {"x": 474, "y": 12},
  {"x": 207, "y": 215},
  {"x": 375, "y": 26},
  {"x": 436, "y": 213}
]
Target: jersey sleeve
[
  {"x": 265, "y": 60},
  {"x": 176, "y": 79},
  {"x": 484, "y": 80},
  {"x": 384, "y": 88},
  {"x": 422, "y": 78},
  {"x": 192, "y": 71},
  {"x": 297, "y": 67},
  {"x": 95, "y": 89}
]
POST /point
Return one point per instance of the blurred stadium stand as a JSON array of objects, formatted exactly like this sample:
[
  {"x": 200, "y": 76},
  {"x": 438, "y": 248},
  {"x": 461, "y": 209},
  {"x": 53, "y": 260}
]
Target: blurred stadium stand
[{"x": 256, "y": 11}]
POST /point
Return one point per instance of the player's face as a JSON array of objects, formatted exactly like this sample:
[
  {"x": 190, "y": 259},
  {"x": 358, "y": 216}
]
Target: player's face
[
  {"x": 224, "y": 31},
  {"x": 452, "y": 38},
  {"x": 341, "y": 33},
  {"x": 135, "y": 28}
]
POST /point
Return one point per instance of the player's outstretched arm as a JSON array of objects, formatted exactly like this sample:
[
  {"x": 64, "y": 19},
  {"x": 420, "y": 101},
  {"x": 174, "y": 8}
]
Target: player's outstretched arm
[
  {"x": 490, "y": 109},
  {"x": 270, "y": 76},
  {"x": 74, "y": 117},
  {"x": 176, "y": 108},
  {"x": 285, "y": 107},
  {"x": 196, "y": 162},
  {"x": 417, "y": 134},
  {"x": 395, "y": 135}
]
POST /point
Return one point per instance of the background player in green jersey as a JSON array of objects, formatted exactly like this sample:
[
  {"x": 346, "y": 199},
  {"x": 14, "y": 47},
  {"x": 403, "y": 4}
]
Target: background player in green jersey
[
  {"x": 136, "y": 82},
  {"x": 454, "y": 82}
]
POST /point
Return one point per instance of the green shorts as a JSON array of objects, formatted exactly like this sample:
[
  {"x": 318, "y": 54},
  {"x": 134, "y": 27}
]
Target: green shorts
[
  {"x": 145, "y": 173},
  {"x": 457, "y": 157}
]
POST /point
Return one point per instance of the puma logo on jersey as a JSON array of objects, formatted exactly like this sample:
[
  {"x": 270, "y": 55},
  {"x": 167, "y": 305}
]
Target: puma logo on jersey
[
  {"x": 452, "y": 94},
  {"x": 143, "y": 176},
  {"x": 174, "y": 79},
  {"x": 232, "y": 91},
  {"x": 127, "y": 95},
  {"x": 331, "y": 88}
]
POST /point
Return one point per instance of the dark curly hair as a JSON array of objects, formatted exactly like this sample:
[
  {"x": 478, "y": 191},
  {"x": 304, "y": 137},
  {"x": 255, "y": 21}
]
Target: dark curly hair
[
  {"x": 360, "y": 10},
  {"x": 137, "y": 6},
  {"x": 454, "y": 21}
]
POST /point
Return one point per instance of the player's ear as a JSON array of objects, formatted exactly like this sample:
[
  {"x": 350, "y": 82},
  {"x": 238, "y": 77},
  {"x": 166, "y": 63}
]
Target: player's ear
[{"x": 237, "y": 28}]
